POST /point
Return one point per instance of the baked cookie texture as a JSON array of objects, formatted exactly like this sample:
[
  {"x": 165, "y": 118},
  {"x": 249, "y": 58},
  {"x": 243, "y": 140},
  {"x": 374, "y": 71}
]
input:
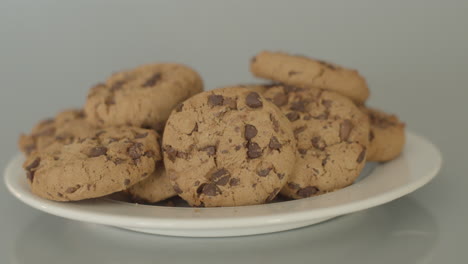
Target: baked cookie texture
[
  {"x": 155, "y": 188},
  {"x": 228, "y": 147},
  {"x": 111, "y": 160},
  {"x": 67, "y": 126},
  {"x": 306, "y": 72},
  {"x": 142, "y": 97},
  {"x": 386, "y": 136},
  {"x": 332, "y": 139}
]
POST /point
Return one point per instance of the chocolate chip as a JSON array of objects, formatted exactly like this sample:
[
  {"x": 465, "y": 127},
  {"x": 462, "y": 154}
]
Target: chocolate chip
[
  {"x": 126, "y": 182},
  {"x": 371, "y": 135},
  {"x": 361, "y": 155},
  {"x": 299, "y": 105},
  {"x": 60, "y": 194},
  {"x": 291, "y": 73},
  {"x": 237, "y": 147},
  {"x": 253, "y": 59},
  {"x": 345, "y": 129},
  {"x": 292, "y": 116},
  {"x": 234, "y": 181},
  {"x": 253, "y": 100},
  {"x": 299, "y": 130},
  {"x": 253, "y": 150},
  {"x": 307, "y": 191},
  {"x": 176, "y": 188},
  {"x": 179, "y": 107},
  {"x": 72, "y": 189},
  {"x": 327, "y": 103},
  {"x": 209, "y": 189},
  {"x": 250, "y": 132},
  {"x": 275, "y": 123},
  {"x": 152, "y": 80},
  {"x": 210, "y": 150},
  {"x": 274, "y": 143},
  {"x": 215, "y": 100},
  {"x": 170, "y": 152},
  {"x": 135, "y": 151},
  {"x": 34, "y": 164},
  {"x": 280, "y": 99},
  {"x": 215, "y": 176},
  {"x": 30, "y": 175},
  {"x": 97, "y": 151},
  {"x": 318, "y": 143},
  {"x": 272, "y": 195},
  {"x": 264, "y": 172},
  {"x": 280, "y": 175},
  {"x": 293, "y": 185},
  {"x": 142, "y": 135},
  {"x": 302, "y": 151}
]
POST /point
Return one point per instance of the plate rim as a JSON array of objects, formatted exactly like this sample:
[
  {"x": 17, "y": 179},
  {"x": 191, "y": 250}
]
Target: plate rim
[{"x": 231, "y": 222}]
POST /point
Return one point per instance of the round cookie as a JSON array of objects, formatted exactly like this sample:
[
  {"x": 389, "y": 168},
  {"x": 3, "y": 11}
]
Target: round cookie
[
  {"x": 111, "y": 160},
  {"x": 64, "y": 128},
  {"x": 228, "y": 147},
  {"x": 142, "y": 97},
  {"x": 306, "y": 72},
  {"x": 155, "y": 188},
  {"x": 332, "y": 138},
  {"x": 386, "y": 136}
]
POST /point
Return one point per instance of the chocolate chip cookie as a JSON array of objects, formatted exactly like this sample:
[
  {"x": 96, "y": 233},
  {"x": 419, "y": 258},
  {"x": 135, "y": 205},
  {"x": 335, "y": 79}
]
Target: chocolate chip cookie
[
  {"x": 142, "y": 97},
  {"x": 64, "y": 128},
  {"x": 386, "y": 136},
  {"x": 306, "y": 72},
  {"x": 111, "y": 160},
  {"x": 332, "y": 138},
  {"x": 155, "y": 188},
  {"x": 228, "y": 147}
]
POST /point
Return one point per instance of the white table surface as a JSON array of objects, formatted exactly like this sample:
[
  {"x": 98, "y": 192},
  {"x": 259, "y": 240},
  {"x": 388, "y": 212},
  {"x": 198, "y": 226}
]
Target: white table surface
[{"x": 414, "y": 55}]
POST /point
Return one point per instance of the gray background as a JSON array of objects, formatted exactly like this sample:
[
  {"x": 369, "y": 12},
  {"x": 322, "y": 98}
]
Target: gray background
[{"x": 414, "y": 55}]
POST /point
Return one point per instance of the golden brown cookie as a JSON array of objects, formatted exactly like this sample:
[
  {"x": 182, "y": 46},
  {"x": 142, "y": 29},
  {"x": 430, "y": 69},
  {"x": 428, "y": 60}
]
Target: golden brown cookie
[
  {"x": 332, "y": 138},
  {"x": 142, "y": 97},
  {"x": 386, "y": 136},
  {"x": 64, "y": 128},
  {"x": 228, "y": 147},
  {"x": 306, "y": 72},
  {"x": 155, "y": 188},
  {"x": 111, "y": 160}
]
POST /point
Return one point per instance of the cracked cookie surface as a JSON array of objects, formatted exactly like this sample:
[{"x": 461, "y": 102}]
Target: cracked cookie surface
[
  {"x": 155, "y": 188},
  {"x": 65, "y": 127},
  {"x": 142, "y": 97},
  {"x": 332, "y": 138},
  {"x": 109, "y": 161},
  {"x": 228, "y": 147},
  {"x": 306, "y": 72},
  {"x": 386, "y": 136}
]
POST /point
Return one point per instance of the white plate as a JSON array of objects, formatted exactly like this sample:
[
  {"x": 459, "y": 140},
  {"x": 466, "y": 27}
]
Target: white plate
[{"x": 379, "y": 184}]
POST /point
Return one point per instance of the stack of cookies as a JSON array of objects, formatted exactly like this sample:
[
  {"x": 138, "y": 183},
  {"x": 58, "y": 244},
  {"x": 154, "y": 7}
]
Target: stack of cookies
[{"x": 153, "y": 133}]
